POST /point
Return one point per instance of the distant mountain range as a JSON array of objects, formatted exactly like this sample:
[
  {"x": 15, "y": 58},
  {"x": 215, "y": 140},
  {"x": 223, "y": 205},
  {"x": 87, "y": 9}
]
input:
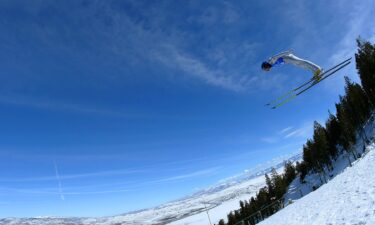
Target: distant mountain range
[{"x": 244, "y": 184}]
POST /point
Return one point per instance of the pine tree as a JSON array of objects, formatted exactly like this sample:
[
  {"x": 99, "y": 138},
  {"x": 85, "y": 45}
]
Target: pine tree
[
  {"x": 333, "y": 134},
  {"x": 278, "y": 183},
  {"x": 365, "y": 63},
  {"x": 302, "y": 170},
  {"x": 289, "y": 172},
  {"x": 307, "y": 157},
  {"x": 221, "y": 222},
  {"x": 270, "y": 186},
  {"x": 347, "y": 137},
  {"x": 237, "y": 215},
  {"x": 322, "y": 146},
  {"x": 231, "y": 218}
]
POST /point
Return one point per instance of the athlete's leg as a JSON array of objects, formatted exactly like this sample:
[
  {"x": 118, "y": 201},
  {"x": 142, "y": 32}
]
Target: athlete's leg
[{"x": 305, "y": 64}]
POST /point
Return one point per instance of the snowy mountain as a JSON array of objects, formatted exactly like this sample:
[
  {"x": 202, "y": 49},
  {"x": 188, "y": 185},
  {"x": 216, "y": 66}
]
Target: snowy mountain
[{"x": 217, "y": 199}]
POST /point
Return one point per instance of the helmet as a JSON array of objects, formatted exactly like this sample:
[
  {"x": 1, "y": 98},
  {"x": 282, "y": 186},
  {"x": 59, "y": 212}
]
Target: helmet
[{"x": 266, "y": 66}]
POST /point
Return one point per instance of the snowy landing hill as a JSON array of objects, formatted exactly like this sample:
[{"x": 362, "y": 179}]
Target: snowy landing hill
[
  {"x": 219, "y": 200},
  {"x": 349, "y": 198},
  {"x": 349, "y": 189}
]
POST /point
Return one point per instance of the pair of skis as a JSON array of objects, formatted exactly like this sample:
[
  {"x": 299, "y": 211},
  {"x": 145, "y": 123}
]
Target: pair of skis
[{"x": 290, "y": 95}]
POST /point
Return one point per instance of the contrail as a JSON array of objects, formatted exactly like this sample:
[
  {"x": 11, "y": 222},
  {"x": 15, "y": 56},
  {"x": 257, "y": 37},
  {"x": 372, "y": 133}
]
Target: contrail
[{"x": 59, "y": 182}]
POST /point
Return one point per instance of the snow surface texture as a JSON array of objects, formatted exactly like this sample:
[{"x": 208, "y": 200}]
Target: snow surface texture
[{"x": 347, "y": 199}]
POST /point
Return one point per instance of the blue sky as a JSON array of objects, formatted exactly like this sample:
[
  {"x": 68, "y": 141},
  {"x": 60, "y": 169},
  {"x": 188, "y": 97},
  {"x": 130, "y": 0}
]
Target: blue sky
[{"x": 112, "y": 106}]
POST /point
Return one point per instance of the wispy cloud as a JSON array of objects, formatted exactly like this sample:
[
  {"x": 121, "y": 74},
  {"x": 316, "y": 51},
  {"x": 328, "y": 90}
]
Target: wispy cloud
[
  {"x": 177, "y": 59},
  {"x": 123, "y": 40},
  {"x": 223, "y": 13},
  {"x": 162, "y": 167},
  {"x": 138, "y": 39},
  {"x": 262, "y": 166},
  {"x": 73, "y": 176},
  {"x": 83, "y": 109},
  {"x": 357, "y": 25},
  {"x": 205, "y": 172},
  {"x": 285, "y": 130},
  {"x": 62, "y": 106},
  {"x": 274, "y": 138},
  {"x": 302, "y": 132},
  {"x": 111, "y": 187},
  {"x": 51, "y": 192},
  {"x": 270, "y": 140},
  {"x": 59, "y": 181}
]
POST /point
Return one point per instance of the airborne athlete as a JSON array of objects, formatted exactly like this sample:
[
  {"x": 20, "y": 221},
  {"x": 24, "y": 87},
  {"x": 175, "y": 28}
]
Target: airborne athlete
[
  {"x": 288, "y": 57},
  {"x": 318, "y": 74}
]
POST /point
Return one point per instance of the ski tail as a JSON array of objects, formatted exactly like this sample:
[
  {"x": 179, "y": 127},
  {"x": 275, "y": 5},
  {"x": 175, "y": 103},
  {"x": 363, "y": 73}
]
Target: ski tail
[
  {"x": 290, "y": 98},
  {"x": 287, "y": 94}
]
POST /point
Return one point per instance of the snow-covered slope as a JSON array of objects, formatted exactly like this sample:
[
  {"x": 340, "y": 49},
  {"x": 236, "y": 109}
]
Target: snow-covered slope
[
  {"x": 218, "y": 212},
  {"x": 349, "y": 198},
  {"x": 296, "y": 189}
]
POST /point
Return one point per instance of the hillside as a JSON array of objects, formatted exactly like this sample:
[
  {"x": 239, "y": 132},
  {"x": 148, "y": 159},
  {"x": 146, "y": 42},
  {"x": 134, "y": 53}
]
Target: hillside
[{"x": 349, "y": 198}]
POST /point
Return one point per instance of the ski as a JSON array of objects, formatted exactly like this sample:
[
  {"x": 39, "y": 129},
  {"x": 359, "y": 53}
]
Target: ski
[
  {"x": 324, "y": 77},
  {"x": 286, "y": 96},
  {"x": 295, "y": 94}
]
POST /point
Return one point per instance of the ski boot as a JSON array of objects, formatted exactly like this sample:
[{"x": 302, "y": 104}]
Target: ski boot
[{"x": 318, "y": 74}]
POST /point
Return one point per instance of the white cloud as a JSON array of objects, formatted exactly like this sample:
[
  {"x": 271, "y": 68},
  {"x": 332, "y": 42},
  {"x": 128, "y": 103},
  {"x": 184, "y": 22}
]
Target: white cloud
[
  {"x": 55, "y": 105},
  {"x": 72, "y": 176},
  {"x": 285, "y": 130},
  {"x": 357, "y": 25},
  {"x": 59, "y": 182},
  {"x": 302, "y": 132},
  {"x": 112, "y": 187},
  {"x": 72, "y": 107},
  {"x": 171, "y": 57},
  {"x": 270, "y": 140},
  {"x": 221, "y": 13},
  {"x": 132, "y": 40},
  {"x": 205, "y": 172}
]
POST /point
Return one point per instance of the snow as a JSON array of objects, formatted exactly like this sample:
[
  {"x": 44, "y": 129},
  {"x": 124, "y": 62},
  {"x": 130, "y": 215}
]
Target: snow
[
  {"x": 223, "y": 209},
  {"x": 192, "y": 210},
  {"x": 349, "y": 198}
]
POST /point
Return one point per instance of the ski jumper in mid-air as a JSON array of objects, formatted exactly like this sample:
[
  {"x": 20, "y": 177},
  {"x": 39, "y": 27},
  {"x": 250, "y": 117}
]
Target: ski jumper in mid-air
[
  {"x": 318, "y": 74},
  {"x": 288, "y": 57}
]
